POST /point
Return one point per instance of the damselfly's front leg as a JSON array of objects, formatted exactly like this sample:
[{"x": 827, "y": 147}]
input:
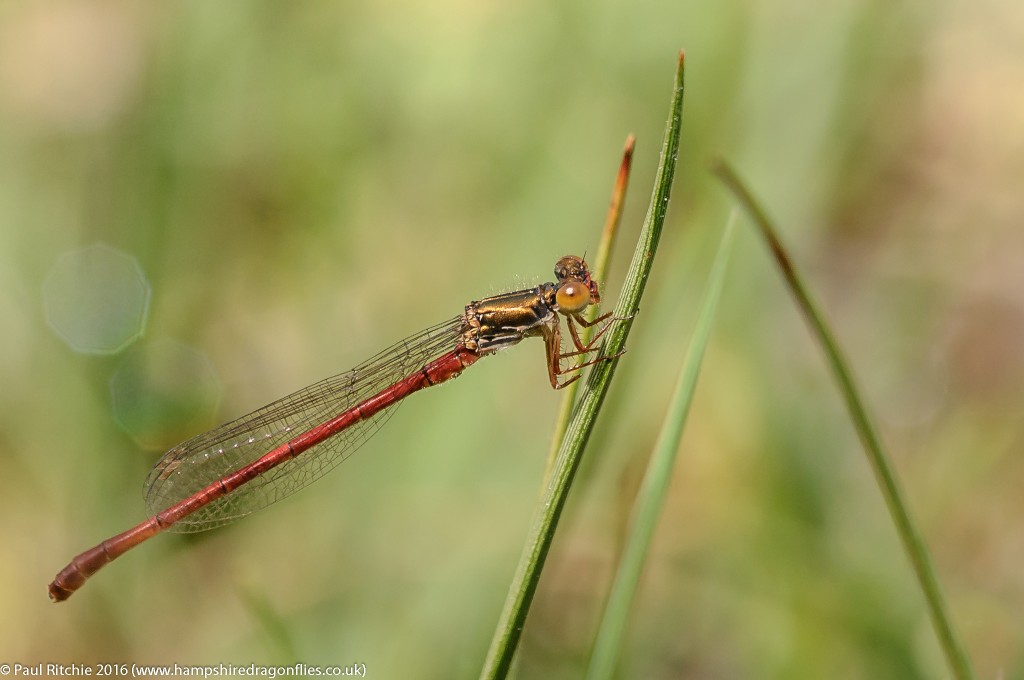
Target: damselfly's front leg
[
  {"x": 582, "y": 348},
  {"x": 553, "y": 347}
]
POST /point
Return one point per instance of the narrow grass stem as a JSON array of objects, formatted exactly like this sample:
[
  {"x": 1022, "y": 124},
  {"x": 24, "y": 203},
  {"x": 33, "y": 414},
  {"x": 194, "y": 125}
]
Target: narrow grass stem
[
  {"x": 910, "y": 535},
  {"x": 600, "y": 272},
  {"x": 651, "y": 496}
]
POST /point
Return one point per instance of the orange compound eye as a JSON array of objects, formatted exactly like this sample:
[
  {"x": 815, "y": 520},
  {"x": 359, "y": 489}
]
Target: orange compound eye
[{"x": 572, "y": 297}]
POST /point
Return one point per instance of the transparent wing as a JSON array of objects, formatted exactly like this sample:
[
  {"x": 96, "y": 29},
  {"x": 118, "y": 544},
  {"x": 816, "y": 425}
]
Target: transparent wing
[{"x": 195, "y": 464}]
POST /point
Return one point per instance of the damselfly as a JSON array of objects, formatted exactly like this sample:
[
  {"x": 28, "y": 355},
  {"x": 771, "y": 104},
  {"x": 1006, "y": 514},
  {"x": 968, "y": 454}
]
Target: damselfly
[{"x": 249, "y": 463}]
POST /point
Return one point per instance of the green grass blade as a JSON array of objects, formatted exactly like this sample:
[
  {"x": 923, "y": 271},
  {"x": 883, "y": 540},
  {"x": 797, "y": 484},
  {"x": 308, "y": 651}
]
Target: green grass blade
[
  {"x": 651, "y": 496},
  {"x": 524, "y": 583},
  {"x": 910, "y": 535}
]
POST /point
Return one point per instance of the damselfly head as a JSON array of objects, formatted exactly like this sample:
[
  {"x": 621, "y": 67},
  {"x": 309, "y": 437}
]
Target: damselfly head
[{"x": 576, "y": 289}]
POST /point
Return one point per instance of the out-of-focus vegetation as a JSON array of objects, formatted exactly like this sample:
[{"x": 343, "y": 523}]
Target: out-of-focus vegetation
[{"x": 285, "y": 188}]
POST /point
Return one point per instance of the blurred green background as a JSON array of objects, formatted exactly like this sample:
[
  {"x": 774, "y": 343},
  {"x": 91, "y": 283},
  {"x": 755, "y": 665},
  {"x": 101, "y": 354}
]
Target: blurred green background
[{"x": 281, "y": 189}]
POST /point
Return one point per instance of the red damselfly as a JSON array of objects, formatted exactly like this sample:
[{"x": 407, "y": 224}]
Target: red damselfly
[{"x": 258, "y": 459}]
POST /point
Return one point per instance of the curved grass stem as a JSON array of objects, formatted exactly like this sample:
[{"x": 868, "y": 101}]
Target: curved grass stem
[{"x": 909, "y": 534}]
